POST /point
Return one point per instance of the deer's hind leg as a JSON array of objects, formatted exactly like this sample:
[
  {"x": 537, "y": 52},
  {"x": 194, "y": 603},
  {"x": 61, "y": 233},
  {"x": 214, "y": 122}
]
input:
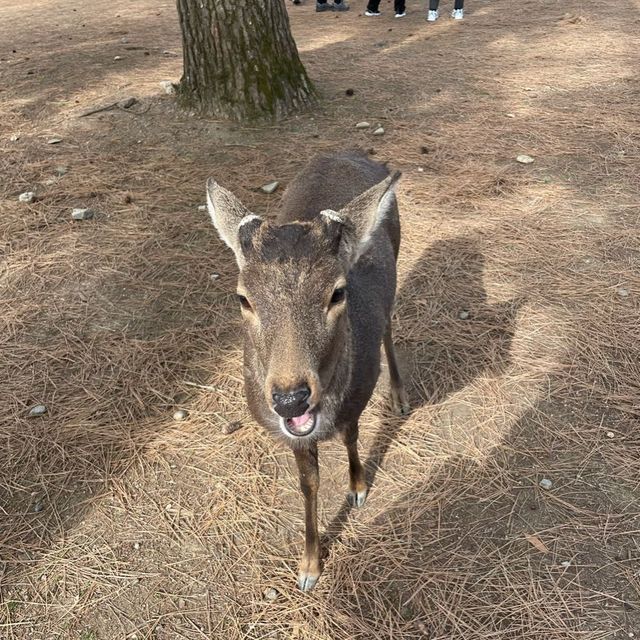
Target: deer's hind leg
[{"x": 399, "y": 397}]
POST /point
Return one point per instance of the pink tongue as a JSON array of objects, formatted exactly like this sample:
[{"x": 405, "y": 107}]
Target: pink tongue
[{"x": 300, "y": 421}]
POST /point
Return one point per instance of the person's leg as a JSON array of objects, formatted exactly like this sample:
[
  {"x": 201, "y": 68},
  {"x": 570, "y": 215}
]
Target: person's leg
[
  {"x": 400, "y": 7},
  {"x": 433, "y": 5},
  {"x": 373, "y": 6},
  {"x": 459, "y": 4}
]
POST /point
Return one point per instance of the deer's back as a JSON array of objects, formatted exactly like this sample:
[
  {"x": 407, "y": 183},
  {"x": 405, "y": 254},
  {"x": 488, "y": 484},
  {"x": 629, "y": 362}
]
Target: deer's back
[{"x": 331, "y": 182}]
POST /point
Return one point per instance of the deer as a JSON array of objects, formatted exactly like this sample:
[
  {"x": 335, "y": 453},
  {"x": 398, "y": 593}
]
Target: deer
[{"x": 316, "y": 289}]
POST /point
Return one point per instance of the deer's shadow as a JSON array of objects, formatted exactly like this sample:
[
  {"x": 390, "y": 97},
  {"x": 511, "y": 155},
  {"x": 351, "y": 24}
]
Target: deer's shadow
[{"x": 446, "y": 334}]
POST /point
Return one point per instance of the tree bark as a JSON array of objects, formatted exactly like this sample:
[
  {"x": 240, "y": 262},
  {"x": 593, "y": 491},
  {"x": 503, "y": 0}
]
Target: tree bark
[{"x": 240, "y": 60}]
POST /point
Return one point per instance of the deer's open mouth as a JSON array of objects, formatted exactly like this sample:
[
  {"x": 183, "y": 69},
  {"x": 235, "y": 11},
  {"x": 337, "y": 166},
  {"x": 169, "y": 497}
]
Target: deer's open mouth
[{"x": 301, "y": 425}]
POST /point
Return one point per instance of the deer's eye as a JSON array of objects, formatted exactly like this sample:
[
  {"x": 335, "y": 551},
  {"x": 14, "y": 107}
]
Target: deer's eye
[
  {"x": 244, "y": 303},
  {"x": 338, "y": 296}
]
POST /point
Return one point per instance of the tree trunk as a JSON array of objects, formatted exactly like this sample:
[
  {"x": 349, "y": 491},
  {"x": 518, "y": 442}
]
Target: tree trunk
[{"x": 240, "y": 60}]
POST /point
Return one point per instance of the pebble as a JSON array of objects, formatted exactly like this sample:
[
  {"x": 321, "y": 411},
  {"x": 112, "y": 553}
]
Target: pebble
[
  {"x": 510, "y": 115},
  {"x": 82, "y": 214},
  {"x": 117, "y": 58},
  {"x": 136, "y": 545},
  {"x": 363, "y": 125},
  {"x": 545, "y": 483},
  {"x": 38, "y": 507},
  {"x": 27, "y": 196},
  {"x": 464, "y": 315},
  {"x": 124, "y": 40},
  {"x": 37, "y": 410},
  {"x": 270, "y": 594},
  {"x": 622, "y": 292},
  {"x": 14, "y": 138},
  {"x": 169, "y": 53},
  {"x": 202, "y": 207},
  {"x": 54, "y": 141},
  {"x": 168, "y": 86},
  {"x": 127, "y": 102},
  {"x": 610, "y": 434},
  {"x": 182, "y": 603},
  {"x": 565, "y": 563},
  {"x": 524, "y": 159},
  {"x": 215, "y": 276},
  {"x": 270, "y": 187},
  {"x": 61, "y": 170},
  {"x": 379, "y": 131},
  {"x": 180, "y": 415},
  {"x": 421, "y": 169}
]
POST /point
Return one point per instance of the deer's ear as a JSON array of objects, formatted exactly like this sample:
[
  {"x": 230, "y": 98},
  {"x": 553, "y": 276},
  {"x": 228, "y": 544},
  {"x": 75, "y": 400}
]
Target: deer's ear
[
  {"x": 234, "y": 223},
  {"x": 363, "y": 215}
]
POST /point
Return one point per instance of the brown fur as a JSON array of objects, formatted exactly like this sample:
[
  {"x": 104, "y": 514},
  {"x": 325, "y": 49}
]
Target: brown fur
[{"x": 293, "y": 334}]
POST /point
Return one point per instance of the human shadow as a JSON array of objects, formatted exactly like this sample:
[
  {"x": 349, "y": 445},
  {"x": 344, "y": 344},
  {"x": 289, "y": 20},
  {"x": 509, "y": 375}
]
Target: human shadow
[{"x": 451, "y": 333}]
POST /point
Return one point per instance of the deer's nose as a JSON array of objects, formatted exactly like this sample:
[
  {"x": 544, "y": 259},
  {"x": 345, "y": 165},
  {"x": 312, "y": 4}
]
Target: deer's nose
[{"x": 290, "y": 404}]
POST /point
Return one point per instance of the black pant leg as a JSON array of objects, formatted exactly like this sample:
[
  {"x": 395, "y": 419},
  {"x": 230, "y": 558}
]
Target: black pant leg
[
  {"x": 399, "y": 5},
  {"x": 433, "y": 5},
  {"x": 458, "y": 4},
  {"x": 373, "y": 5}
]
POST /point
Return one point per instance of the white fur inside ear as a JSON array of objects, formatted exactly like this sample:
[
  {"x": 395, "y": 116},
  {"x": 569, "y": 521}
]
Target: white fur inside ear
[
  {"x": 332, "y": 215},
  {"x": 249, "y": 218}
]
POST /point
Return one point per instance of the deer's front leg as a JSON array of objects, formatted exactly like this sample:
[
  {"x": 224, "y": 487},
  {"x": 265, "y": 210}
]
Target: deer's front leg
[
  {"x": 357, "y": 482},
  {"x": 307, "y": 460}
]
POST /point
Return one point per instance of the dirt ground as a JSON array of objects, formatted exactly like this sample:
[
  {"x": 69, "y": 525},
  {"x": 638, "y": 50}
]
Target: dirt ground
[{"x": 517, "y": 320}]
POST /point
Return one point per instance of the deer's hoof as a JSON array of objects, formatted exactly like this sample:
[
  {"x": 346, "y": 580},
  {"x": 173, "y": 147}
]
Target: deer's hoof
[
  {"x": 400, "y": 402},
  {"x": 307, "y": 580},
  {"x": 357, "y": 498}
]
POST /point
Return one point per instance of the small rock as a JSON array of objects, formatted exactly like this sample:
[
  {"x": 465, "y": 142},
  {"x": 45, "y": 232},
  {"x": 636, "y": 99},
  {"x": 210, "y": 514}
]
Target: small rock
[
  {"x": 545, "y": 483},
  {"x": 127, "y": 103},
  {"x": 82, "y": 214},
  {"x": 124, "y": 40},
  {"x": 610, "y": 434},
  {"x": 421, "y": 169},
  {"x": 54, "y": 141},
  {"x": 622, "y": 292},
  {"x": 182, "y": 603},
  {"x": 168, "y": 86},
  {"x": 202, "y": 207},
  {"x": 529, "y": 89},
  {"x": 27, "y": 196},
  {"x": 363, "y": 125},
  {"x": 38, "y": 507},
  {"x": 270, "y": 594},
  {"x": 61, "y": 170},
  {"x": 510, "y": 115},
  {"x": 180, "y": 415},
  {"x": 464, "y": 315},
  {"x": 424, "y": 150},
  {"x": 37, "y": 410},
  {"x": 524, "y": 159},
  {"x": 379, "y": 131},
  {"x": 116, "y": 58},
  {"x": 14, "y": 138},
  {"x": 169, "y": 53},
  {"x": 136, "y": 545},
  {"x": 565, "y": 563},
  {"x": 349, "y": 92},
  {"x": 270, "y": 187},
  {"x": 215, "y": 276}
]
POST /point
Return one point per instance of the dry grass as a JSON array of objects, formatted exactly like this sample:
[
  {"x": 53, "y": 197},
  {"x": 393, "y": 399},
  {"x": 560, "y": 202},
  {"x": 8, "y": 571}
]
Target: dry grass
[{"x": 118, "y": 522}]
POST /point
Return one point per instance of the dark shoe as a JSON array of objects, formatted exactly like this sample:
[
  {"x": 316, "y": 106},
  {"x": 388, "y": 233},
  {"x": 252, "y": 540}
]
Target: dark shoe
[
  {"x": 340, "y": 6},
  {"x": 324, "y": 6}
]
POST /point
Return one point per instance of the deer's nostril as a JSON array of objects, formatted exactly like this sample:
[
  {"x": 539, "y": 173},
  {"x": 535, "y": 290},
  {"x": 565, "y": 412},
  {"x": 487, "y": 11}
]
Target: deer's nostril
[{"x": 290, "y": 404}]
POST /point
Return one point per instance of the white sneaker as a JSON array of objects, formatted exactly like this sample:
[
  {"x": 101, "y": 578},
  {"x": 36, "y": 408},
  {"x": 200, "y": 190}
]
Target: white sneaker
[
  {"x": 432, "y": 16},
  {"x": 401, "y": 15},
  {"x": 457, "y": 14},
  {"x": 371, "y": 14}
]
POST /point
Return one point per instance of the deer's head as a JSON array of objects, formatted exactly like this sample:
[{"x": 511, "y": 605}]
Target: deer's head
[{"x": 294, "y": 296}]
